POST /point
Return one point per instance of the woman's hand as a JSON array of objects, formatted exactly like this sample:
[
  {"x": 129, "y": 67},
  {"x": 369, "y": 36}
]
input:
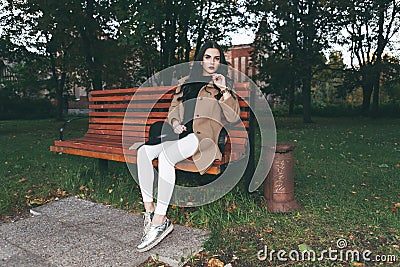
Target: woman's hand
[
  {"x": 219, "y": 81},
  {"x": 178, "y": 128}
]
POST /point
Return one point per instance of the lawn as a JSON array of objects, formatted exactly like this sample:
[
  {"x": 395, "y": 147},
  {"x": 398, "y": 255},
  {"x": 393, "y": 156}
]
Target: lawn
[{"x": 347, "y": 175}]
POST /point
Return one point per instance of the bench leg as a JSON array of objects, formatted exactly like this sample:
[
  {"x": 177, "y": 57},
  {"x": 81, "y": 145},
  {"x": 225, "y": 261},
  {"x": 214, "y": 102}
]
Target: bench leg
[{"x": 103, "y": 166}]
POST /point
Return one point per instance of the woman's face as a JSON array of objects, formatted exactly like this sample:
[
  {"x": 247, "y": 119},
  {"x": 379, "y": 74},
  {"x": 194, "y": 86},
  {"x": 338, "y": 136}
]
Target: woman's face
[{"x": 211, "y": 61}]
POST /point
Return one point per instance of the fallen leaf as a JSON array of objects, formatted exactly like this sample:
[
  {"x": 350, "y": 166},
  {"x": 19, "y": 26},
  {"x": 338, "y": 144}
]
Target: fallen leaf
[
  {"x": 304, "y": 247},
  {"x": 22, "y": 180},
  {"x": 37, "y": 201},
  {"x": 61, "y": 193},
  {"x": 83, "y": 188},
  {"x": 357, "y": 264},
  {"x": 213, "y": 262}
]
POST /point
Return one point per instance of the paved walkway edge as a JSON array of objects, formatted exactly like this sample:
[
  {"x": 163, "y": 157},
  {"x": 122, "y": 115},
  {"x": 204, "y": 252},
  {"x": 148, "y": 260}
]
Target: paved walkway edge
[{"x": 76, "y": 232}]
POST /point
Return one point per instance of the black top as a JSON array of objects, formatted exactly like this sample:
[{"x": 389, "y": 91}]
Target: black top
[{"x": 189, "y": 103}]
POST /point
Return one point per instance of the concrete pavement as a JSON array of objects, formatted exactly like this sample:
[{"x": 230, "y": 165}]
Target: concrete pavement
[{"x": 75, "y": 232}]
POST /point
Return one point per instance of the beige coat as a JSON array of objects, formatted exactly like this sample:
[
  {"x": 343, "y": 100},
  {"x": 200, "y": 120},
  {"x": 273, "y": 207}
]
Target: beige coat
[{"x": 207, "y": 124}]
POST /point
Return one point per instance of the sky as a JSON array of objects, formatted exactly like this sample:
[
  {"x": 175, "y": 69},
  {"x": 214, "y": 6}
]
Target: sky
[{"x": 242, "y": 37}]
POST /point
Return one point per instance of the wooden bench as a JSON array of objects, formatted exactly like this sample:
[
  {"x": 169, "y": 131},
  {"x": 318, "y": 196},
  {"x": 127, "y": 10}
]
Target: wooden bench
[{"x": 106, "y": 131}]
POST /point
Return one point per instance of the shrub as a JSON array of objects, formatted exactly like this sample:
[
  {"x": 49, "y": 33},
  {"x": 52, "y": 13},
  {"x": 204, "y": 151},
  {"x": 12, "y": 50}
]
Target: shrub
[{"x": 25, "y": 108}]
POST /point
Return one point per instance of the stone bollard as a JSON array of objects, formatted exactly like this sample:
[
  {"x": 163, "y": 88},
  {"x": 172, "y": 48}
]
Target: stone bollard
[{"x": 279, "y": 185}]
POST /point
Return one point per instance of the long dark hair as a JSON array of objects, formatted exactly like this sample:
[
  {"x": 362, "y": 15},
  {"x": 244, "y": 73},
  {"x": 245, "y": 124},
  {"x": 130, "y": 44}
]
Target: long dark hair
[{"x": 196, "y": 80}]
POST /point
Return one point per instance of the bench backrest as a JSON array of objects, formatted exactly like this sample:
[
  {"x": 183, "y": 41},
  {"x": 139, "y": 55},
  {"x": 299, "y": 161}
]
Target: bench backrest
[{"x": 108, "y": 110}]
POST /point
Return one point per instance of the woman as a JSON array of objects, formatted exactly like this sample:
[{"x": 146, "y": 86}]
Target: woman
[{"x": 195, "y": 114}]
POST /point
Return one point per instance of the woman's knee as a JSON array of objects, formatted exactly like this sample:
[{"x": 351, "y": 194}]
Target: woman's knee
[
  {"x": 141, "y": 152},
  {"x": 164, "y": 159},
  {"x": 144, "y": 152}
]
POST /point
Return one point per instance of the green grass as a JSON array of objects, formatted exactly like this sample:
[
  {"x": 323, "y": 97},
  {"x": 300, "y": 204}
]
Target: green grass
[{"x": 347, "y": 175}]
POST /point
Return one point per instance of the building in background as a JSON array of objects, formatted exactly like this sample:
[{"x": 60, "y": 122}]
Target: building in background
[{"x": 239, "y": 57}]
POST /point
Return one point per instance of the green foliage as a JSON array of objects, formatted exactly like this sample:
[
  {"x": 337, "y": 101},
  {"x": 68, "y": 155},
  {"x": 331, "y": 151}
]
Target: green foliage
[
  {"x": 26, "y": 94},
  {"x": 163, "y": 33},
  {"x": 370, "y": 28},
  {"x": 25, "y": 108},
  {"x": 292, "y": 34}
]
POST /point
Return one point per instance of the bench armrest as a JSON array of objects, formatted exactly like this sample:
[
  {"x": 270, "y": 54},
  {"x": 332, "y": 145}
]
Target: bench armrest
[{"x": 61, "y": 132}]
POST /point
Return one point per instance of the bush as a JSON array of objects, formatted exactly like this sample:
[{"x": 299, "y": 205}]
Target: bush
[
  {"x": 390, "y": 110},
  {"x": 25, "y": 108},
  {"x": 336, "y": 110}
]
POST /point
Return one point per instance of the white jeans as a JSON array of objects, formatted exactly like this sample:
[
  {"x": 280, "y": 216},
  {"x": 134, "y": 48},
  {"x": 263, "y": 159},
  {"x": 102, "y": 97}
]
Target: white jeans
[{"x": 169, "y": 153}]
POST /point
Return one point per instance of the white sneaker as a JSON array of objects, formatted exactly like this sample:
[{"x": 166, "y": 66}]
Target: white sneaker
[
  {"x": 155, "y": 235},
  {"x": 147, "y": 217}
]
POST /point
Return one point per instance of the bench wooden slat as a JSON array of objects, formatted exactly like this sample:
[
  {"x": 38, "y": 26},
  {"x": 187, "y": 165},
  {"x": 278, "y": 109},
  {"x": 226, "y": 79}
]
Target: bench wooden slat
[
  {"x": 117, "y": 133},
  {"x": 243, "y": 88},
  {"x": 155, "y": 89},
  {"x": 121, "y": 121},
  {"x": 89, "y": 146},
  {"x": 129, "y": 98},
  {"x": 119, "y": 127},
  {"x": 158, "y": 114},
  {"x": 184, "y": 165},
  {"x": 154, "y": 114},
  {"x": 242, "y": 103}
]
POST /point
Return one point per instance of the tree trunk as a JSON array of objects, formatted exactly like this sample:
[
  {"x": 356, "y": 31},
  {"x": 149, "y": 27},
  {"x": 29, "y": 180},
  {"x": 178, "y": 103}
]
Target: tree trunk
[
  {"x": 367, "y": 89},
  {"x": 291, "y": 97},
  {"x": 378, "y": 66},
  {"x": 89, "y": 38},
  {"x": 63, "y": 99},
  {"x": 59, "y": 93},
  {"x": 187, "y": 48},
  {"x": 202, "y": 28},
  {"x": 306, "y": 93},
  {"x": 376, "y": 89}
]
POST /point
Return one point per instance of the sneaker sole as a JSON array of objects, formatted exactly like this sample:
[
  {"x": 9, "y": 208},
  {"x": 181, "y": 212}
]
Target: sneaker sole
[{"x": 167, "y": 231}]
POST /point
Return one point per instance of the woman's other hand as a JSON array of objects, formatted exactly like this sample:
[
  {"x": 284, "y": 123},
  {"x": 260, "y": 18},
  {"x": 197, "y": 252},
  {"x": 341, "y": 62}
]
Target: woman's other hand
[
  {"x": 178, "y": 128},
  {"x": 219, "y": 81}
]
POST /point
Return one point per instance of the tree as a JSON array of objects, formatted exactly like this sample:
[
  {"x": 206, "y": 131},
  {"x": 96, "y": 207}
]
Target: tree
[
  {"x": 275, "y": 72},
  {"x": 171, "y": 28},
  {"x": 391, "y": 78},
  {"x": 328, "y": 78},
  {"x": 78, "y": 37},
  {"x": 299, "y": 30},
  {"x": 371, "y": 26}
]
